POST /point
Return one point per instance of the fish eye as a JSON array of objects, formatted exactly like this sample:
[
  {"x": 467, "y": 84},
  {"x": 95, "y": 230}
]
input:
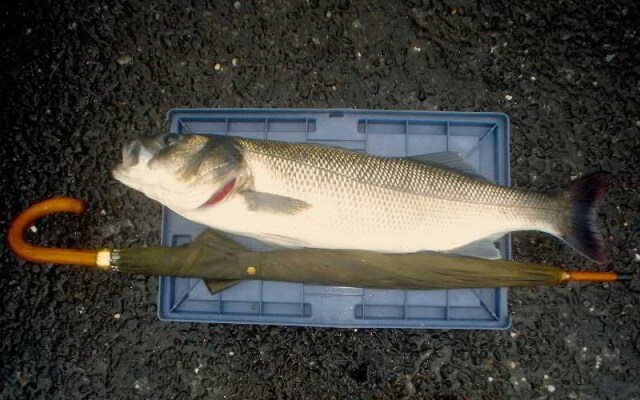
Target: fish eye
[{"x": 170, "y": 139}]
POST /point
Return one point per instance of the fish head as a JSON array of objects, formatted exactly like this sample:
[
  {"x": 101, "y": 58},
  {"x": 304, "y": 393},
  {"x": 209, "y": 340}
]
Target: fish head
[{"x": 183, "y": 172}]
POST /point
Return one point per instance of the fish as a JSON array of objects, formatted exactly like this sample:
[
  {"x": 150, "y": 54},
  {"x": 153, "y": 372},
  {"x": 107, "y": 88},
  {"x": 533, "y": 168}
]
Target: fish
[{"x": 305, "y": 195}]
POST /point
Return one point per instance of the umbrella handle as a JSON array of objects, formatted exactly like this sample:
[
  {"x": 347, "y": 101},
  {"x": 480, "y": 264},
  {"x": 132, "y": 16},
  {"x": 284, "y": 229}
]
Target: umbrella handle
[{"x": 18, "y": 227}]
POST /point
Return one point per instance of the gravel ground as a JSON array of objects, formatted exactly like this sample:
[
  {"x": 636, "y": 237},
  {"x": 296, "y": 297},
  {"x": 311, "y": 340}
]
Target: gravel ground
[{"x": 79, "y": 78}]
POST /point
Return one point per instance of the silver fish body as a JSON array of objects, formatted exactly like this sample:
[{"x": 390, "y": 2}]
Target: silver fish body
[{"x": 305, "y": 195}]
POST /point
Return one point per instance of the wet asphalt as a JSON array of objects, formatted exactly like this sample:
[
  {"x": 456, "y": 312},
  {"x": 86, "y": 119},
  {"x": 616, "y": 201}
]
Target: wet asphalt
[{"x": 79, "y": 79}]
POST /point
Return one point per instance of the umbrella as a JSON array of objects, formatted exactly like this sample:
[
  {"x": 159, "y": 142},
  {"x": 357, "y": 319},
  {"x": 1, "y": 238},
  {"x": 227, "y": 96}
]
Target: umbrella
[{"x": 222, "y": 262}]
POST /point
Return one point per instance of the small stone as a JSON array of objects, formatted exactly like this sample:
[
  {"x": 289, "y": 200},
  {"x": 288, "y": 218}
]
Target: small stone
[
  {"x": 551, "y": 388},
  {"x": 29, "y": 31},
  {"x": 103, "y": 212},
  {"x": 584, "y": 349},
  {"x": 609, "y": 57},
  {"x": 124, "y": 60},
  {"x": 572, "y": 395},
  {"x": 356, "y": 24},
  {"x": 508, "y": 97},
  {"x": 328, "y": 14},
  {"x": 237, "y": 5},
  {"x": 513, "y": 334},
  {"x": 33, "y": 229},
  {"x": 109, "y": 230},
  {"x": 417, "y": 49},
  {"x": 490, "y": 379},
  {"x": 217, "y": 67},
  {"x": 231, "y": 353},
  {"x": 512, "y": 365},
  {"x": 533, "y": 78},
  {"x": 234, "y": 62},
  {"x": 116, "y": 315},
  {"x": 636, "y": 257}
]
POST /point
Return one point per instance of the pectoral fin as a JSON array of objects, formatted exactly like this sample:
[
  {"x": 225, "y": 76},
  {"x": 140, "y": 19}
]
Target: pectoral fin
[
  {"x": 274, "y": 203},
  {"x": 216, "y": 286}
]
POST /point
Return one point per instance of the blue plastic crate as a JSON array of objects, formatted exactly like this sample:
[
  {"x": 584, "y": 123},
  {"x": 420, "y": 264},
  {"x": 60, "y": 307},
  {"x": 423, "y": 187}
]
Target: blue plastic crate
[{"x": 482, "y": 138}]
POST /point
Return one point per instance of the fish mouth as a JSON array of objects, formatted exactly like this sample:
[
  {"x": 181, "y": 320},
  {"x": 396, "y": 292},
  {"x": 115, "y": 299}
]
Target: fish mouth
[
  {"x": 131, "y": 154},
  {"x": 134, "y": 155},
  {"x": 122, "y": 173}
]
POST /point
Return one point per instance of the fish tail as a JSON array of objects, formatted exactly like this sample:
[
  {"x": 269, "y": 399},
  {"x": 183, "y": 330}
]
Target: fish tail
[{"x": 580, "y": 226}]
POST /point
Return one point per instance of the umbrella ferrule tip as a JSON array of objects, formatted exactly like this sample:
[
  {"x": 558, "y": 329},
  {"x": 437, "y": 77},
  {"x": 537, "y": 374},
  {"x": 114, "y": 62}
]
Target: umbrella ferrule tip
[{"x": 624, "y": 276}]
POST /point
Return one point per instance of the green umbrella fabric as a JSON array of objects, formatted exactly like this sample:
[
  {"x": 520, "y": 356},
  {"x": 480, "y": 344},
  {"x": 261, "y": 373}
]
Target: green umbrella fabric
[{"x": 222, "y": 262}]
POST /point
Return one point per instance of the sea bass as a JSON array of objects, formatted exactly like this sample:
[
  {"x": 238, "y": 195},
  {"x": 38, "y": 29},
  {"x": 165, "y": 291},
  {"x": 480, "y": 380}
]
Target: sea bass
[{"x": 310, "y": 195}]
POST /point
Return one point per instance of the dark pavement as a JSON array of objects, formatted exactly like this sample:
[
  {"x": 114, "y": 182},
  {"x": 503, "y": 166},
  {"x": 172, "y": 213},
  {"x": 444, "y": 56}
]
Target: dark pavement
[{"x": 79, "y": 78}]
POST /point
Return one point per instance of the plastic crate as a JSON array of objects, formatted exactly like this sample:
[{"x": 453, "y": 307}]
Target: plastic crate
[{"x": 483, "y": 139}]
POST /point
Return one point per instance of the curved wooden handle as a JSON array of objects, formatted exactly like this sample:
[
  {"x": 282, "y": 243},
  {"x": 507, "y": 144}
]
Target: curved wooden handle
[{"x": 16, "y": 234}]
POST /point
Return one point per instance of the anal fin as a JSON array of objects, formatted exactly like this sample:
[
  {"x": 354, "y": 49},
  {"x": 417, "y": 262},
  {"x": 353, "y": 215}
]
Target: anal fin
[{"x": 483, "y": 248}]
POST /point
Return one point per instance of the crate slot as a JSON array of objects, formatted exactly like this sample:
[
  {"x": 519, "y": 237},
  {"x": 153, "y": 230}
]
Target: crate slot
[{"x": 179, "y": 240}]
